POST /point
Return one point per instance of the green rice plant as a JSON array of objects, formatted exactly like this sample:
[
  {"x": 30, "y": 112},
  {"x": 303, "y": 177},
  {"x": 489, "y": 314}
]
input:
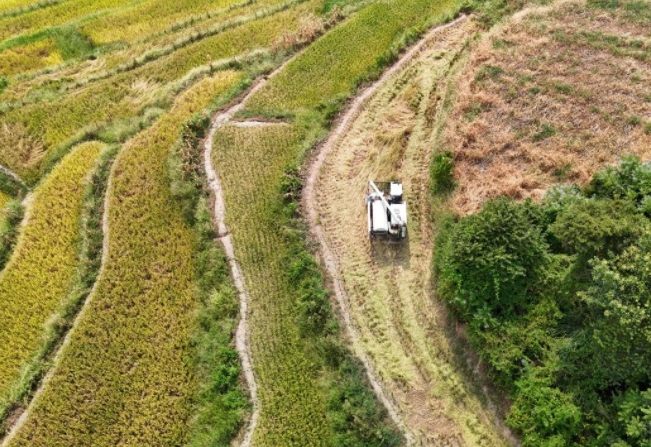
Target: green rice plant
[
  {"x": 311, "y": 391},
  {"x": 125, "y": 376},
  {"x": 331, "y": 68},
  {"x": 43, "y": 263},
  {"x": 250, "y": 163},
  {"x": 54, "y": 124}
]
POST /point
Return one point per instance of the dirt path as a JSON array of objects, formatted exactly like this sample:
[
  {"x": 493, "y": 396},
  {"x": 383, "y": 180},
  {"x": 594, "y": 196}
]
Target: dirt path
[
  {"x": 13, "y": 175},
  {"x": 242, "y": 343},
  {"x": 384, "y": 292},
  {"x": 18, "y": 424}
]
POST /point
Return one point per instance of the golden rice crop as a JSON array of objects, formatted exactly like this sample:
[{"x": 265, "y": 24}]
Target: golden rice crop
[
  {"x": 147, "y": 18},
  {"x": 43, "y": 265},
  {"x": 29, "y": 57},
  {"x": 56, "y": 15},
  {"x": 330, "y": 68},
  {"x": 250, "y": 163},
  {"x": 55, "y": 122},
  {"x": 125, "y": 377}
]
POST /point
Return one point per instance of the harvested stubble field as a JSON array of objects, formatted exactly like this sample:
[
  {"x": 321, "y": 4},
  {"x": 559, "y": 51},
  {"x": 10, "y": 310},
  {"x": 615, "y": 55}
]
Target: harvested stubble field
[
  {"x": 552, "y": 97},
  {"x": 389, "y": 286}
]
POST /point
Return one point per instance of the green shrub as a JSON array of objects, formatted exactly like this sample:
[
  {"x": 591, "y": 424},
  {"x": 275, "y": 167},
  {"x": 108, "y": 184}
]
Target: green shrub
[
  {"x": 442, "y": 172},
  {"x": 491, "y": 260}
]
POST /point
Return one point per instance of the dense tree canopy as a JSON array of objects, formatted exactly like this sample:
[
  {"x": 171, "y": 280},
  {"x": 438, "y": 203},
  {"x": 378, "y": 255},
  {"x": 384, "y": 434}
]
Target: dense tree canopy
[{"x": 557, "y": 298}]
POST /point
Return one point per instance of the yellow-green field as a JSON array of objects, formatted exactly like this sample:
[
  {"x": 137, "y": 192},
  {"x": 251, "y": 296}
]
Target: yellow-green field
[
  {"x": 123, "y": 377},
  {"x": 44, "y": 263},
  {"x": 104, "y": 105}
]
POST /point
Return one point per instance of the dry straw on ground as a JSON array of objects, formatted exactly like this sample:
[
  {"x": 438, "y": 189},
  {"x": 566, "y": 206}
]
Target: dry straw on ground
[{"x": 552, "y": 97}]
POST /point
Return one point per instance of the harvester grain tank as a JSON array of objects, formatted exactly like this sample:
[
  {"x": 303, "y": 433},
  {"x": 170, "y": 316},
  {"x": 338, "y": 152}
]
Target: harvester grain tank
[{"x": 386, "y": 210}]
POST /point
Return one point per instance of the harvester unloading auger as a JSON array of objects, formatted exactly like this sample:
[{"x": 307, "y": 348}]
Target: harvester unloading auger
[{"x": 387, "y": 212}]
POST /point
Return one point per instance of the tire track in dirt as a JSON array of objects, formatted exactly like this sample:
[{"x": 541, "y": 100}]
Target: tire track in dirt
[
  {"x": 331, "y": 263},
  {"x": 18, "y": 424}
]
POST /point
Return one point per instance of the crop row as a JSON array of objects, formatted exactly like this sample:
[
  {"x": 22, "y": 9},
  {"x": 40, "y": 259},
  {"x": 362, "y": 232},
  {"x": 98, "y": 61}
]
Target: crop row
[
  {"x": 250, "y": 164},
  {"x": 38, "y": 276},
  {"x": 129, "y": 93},
  {"x": 65, "y": 12},
  {"x": 36, "y": 86},
  {"x": 124, "y": 378},
  {"x": 147, "y": 18},
  {"x": 332, "y": 67}
]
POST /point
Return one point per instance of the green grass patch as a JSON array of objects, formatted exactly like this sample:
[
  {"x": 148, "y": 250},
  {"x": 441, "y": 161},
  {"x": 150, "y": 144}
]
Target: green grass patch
[{"x": 546, "y": 131}]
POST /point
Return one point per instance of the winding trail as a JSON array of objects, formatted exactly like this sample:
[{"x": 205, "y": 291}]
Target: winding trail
[
  {"x": 15, "y": 428},
  {"x": 309, "y": 206},
  {"x": 242, "y": 343}
]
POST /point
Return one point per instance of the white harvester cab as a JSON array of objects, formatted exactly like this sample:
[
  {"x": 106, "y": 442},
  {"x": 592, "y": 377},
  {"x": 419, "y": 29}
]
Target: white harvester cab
[{"x": 386, "y": 211}]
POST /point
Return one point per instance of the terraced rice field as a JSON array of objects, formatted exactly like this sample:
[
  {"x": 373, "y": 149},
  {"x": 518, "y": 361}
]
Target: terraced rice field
[
  {"x": 129, "y": 348},
  {"x": 103, "y": 106},
  {"x": 43, "y": 268}
]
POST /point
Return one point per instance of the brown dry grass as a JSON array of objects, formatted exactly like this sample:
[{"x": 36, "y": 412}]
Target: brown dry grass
[{"x": 551, "y": 98}]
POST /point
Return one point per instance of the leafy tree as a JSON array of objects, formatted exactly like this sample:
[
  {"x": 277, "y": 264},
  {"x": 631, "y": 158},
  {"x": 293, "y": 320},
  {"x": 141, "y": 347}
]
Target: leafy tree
[
  {"x": 545, "y": 415},
  {"x": 620, "y": 296},
  {"x": 491, "y": 260}
]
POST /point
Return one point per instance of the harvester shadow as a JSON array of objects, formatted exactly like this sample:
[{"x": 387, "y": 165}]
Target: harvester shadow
[{"x": 388, "y": 253}]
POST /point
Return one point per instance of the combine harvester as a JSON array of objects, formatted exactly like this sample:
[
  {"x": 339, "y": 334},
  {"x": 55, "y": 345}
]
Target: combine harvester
[{"x": 387, "y": 212}]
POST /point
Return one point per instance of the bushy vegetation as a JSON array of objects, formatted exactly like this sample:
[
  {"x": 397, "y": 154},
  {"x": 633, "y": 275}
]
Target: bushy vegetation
[
  {"x": 44, "y": 263},
  {"x": 126, "y": 374},
  {"x": 556, "y": 299},
  {"x": 220, "y": 401}
]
